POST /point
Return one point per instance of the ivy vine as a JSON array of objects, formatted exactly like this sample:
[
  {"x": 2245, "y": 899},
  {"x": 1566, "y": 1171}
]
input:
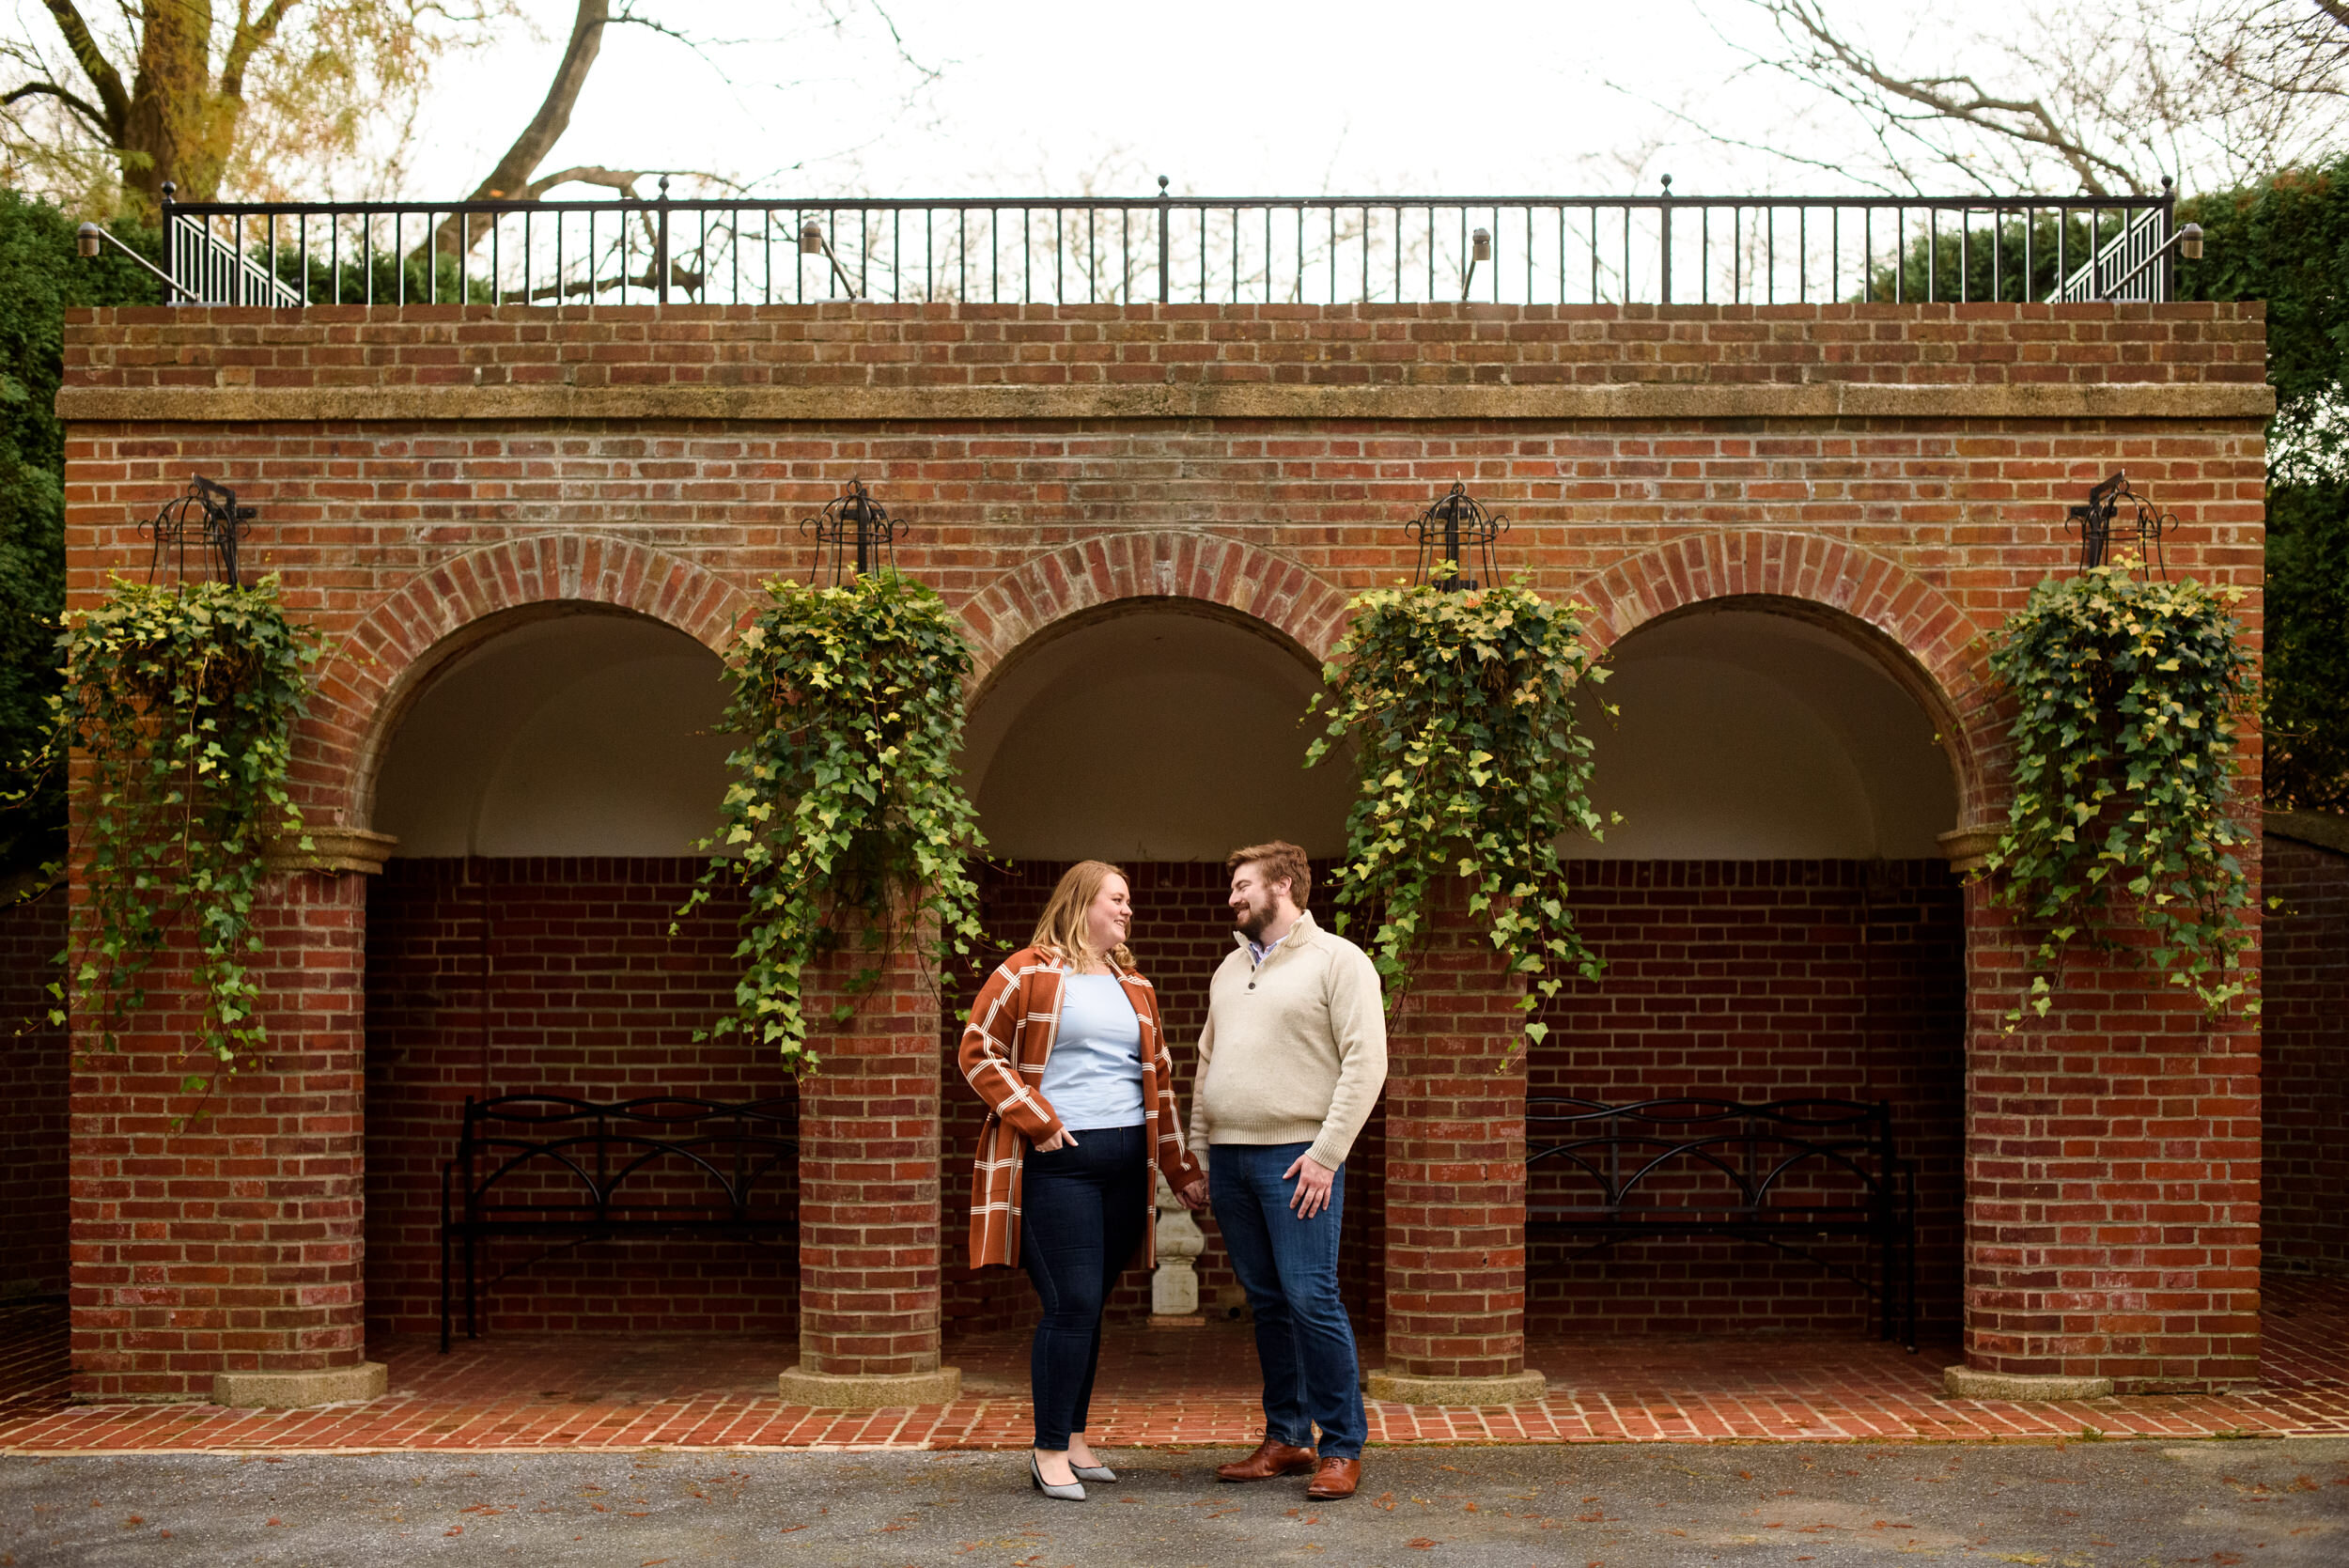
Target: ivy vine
[
  {"x": 183, "y": 701},
  {"x": 846, "y": 810},
  {"x": 2125, "y": 770},
  {"x": 1471, "y": 763}
]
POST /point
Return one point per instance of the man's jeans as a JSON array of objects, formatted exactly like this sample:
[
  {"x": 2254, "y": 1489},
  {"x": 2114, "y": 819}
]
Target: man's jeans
[{"x": 1289, "y": 1267}]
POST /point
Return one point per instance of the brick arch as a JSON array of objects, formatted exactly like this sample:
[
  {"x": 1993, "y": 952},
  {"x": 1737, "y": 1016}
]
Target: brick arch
[
  {"x": 1088, "y": 574},
  {"x": 1926, "y": 642},
  {"x": 378, "y": 669}
]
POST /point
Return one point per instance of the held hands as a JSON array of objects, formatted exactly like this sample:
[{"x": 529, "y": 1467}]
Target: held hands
[
  {"x": 1313, "y": 1186},
  {"x": 1195, "y": 1197}
]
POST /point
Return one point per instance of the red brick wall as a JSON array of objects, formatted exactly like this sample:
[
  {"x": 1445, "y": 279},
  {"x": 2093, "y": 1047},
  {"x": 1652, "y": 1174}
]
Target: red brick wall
[
  {"x": 223, "y": 1232},
  {"x": 1755, "y": 980},
  {"x": 967, "y": 345},
  {"x": 585, "y": 994},
  {"x": 398, "y": 535},
  {"x": 2304, "y": 1088},
  {"x": 34, "y": 1078}
]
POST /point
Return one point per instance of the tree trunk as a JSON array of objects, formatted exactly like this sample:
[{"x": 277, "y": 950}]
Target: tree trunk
[{"x": 178, "y": 129}]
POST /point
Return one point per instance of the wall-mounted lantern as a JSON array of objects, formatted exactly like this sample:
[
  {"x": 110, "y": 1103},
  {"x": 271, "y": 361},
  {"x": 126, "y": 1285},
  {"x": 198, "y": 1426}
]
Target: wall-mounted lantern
[
  {"x": 205, "y": 523},
  {"x": 1480, "y": 249},
  {"x": 1453, "y": 535},
  {"x": 2093, "y": 523},
  {"x": 856, "y": 532}
]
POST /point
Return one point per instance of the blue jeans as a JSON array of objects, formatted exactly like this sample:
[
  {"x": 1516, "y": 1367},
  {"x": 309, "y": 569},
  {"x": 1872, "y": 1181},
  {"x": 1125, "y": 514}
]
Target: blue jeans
[
  {"x": 1289, "y": 1268},
  {"x": 1081, "y": 1213}
]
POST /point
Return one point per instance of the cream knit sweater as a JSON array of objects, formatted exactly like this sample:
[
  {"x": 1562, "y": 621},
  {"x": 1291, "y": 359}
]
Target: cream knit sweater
[{"x": 1295, "y": 1050}]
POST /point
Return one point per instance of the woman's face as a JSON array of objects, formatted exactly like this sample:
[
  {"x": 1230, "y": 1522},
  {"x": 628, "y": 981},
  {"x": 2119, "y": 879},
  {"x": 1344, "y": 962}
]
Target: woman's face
[{"x": 1110, "y": 916}]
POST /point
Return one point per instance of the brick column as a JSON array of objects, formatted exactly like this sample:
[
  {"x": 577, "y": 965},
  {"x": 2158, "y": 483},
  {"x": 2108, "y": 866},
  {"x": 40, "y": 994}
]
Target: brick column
[
  {"x": 224, "y": 1259},
  {"x": 1456, "y": 1176},
  {"x": 869, "y": 1272},
  {"x": 2112, "y": 1183}
]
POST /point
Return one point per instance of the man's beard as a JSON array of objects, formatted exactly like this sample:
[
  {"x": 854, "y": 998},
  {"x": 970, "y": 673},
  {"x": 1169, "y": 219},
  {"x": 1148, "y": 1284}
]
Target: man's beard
[{"x": 1252, "y": 921}]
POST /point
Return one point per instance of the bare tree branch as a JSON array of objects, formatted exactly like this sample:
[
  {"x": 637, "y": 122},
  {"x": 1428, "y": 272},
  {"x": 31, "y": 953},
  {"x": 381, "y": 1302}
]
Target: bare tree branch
[
  {"x": 513, "y": 171},
  {"x": 80, "y": 106},
  {"x": 249, "y": 36},
  {"x": 100, "y": 72}
]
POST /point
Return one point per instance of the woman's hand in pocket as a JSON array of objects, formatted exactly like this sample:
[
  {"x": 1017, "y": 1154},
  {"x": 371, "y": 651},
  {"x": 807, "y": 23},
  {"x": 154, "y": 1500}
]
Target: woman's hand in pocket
[{"x": 1060, "y": 1140}]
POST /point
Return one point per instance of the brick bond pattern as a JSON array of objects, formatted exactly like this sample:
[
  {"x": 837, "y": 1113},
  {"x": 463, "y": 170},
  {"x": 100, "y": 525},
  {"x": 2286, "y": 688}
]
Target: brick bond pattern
[
  {"x": 491, "y": 977},
  {"x": 2305, "y": 1026},
  {"x": 405, "y": 538},
  {"x": 1753, "y": 980}
]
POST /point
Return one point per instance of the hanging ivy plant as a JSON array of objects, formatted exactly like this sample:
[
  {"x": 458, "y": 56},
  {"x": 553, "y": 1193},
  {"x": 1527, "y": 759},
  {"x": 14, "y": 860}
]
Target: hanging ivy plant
[
  {"x": 2124, "y": 769},
  {"x": 1461, "y": 710},
  {"x": 847, "y": 811},
  {"x": 183, "y": 700}
]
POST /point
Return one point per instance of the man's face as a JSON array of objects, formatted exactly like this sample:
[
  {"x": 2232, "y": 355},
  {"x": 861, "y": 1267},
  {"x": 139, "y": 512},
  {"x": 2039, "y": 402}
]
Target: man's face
[{"x": 1254, "y": 903}]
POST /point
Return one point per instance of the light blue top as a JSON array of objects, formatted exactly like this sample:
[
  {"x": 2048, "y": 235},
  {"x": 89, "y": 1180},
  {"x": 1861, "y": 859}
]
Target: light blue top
[{"x": 1093, "y": 1076}]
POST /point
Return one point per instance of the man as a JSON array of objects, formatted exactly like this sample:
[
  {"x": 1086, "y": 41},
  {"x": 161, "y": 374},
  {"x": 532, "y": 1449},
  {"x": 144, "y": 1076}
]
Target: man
[{"x": 1290, "y": 1062}]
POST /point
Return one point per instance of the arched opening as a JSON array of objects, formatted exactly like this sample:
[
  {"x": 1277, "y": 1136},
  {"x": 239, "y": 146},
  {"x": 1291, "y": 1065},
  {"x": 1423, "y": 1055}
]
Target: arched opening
[
  {"x": 1778, "y": 922},
  {"x": 1161, "y": 735},
  {"x": 546, "y": 783}
]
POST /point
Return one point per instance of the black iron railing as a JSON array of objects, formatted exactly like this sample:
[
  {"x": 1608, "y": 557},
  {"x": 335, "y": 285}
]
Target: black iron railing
[{"x": 1321, "y": 250}]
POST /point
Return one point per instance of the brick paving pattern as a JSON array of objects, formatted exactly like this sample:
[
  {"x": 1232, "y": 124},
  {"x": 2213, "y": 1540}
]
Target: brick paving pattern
[{"x": 1170, "y": 1387}]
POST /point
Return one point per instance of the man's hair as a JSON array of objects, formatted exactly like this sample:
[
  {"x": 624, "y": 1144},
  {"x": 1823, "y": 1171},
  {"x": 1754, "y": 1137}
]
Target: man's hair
[{"x": 1283, "y": 862}]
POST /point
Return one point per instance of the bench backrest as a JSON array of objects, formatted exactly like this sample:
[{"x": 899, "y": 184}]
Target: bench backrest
[
  {"x": 1791, "y": 1158},
  {"x": 662, "y": 1158}
]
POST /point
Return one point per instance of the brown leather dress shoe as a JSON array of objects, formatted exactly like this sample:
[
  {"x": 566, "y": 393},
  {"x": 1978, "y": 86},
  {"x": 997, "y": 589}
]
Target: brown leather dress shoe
[
  {"x": 1270, "y": 1459},
  {"x": 1334, "y": 1479}
]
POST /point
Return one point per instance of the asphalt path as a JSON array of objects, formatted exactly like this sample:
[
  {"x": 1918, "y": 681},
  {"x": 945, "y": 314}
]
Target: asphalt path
[{"x": 2082, "y": 1505}]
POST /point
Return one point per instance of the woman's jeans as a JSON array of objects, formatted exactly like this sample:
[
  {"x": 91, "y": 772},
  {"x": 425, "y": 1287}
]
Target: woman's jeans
[
  {"x": 1081, "y": 1213},
  {"x": 1289, "y": 1267}
]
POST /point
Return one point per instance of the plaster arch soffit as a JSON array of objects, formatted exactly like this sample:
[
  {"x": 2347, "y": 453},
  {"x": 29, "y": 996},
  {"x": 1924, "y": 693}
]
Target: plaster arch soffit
[
  {"x": 1064, "y": 584},
  {"x": 381, "y": 667},
  {"x": 1924, "y": 640}
]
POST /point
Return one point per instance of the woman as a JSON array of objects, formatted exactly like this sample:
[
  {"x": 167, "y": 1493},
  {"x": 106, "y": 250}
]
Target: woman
[{"x": 1063, "y": 1046}]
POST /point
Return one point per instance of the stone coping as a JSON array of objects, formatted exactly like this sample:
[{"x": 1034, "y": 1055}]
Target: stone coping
[
  {"x": 1650, "y": 401},
  {"x": 2325, "y": 830}
]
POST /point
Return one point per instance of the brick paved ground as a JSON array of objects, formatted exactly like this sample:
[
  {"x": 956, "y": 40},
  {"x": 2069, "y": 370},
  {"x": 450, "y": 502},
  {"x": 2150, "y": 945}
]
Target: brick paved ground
[{"x": 1167, "y": 1387}]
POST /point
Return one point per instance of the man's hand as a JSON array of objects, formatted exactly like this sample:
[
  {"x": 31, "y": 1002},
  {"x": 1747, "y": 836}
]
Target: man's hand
[
  {"x": 1313, "y": 1186},
  {"x": 1195, "y": 1197}
]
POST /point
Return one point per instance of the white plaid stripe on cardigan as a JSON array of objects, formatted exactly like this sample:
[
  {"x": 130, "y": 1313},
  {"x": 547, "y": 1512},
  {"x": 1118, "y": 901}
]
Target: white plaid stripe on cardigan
[{"x": 1004, "y": 1046}]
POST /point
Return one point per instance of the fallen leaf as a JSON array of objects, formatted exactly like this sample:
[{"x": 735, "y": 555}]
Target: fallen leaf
[{"x": 1420, "y": 1544}]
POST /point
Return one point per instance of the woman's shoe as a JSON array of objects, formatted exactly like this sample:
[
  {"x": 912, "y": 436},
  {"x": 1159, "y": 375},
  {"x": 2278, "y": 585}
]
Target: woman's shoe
[
  {"x": 1100, "y": 1473},
  {"x": 1036, "y": 1479}
]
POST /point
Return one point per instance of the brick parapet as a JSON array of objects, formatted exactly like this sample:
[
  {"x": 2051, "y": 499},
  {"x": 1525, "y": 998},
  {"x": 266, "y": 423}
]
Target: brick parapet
[{"x": 863, "y": 345}]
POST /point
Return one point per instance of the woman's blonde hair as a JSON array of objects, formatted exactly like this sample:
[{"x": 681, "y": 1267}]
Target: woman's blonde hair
[{"x": 1060, "y": 930}]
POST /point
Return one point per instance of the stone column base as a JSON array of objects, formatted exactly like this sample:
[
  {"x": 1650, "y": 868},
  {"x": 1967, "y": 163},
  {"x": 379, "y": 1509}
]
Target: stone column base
[
  {"x": 294, "y": 1390},
  {"x": 1974, "y": 1382},
  {"x": 825, "y": 1390},
  {"x": 1401, "y": 1389}
]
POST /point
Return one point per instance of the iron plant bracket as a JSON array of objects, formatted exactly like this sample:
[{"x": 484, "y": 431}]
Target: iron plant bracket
[
  {"x": 856, "y": 532},
  {"x": 204, "y": 518},
  {"x": 1456, "y": 533},
  {"x": 2094, "y": 521}
]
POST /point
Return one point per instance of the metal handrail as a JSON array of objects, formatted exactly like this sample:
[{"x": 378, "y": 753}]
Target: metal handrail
[{"x": 1562, "y": 250}]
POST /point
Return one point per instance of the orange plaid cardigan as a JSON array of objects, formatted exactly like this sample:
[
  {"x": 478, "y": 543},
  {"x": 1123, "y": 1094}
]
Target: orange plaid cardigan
[{"x": 1013, "y": 1025}]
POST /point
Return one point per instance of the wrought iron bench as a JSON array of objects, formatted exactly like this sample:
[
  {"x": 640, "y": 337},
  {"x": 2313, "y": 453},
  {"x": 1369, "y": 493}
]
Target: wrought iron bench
[
  {"x": 1786, "y": 1173},
  {"x": 570, "y": 1172}
]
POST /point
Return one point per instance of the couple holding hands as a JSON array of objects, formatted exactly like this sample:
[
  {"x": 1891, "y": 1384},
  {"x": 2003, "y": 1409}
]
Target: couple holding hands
[{"x": 1065, "y": 1047}]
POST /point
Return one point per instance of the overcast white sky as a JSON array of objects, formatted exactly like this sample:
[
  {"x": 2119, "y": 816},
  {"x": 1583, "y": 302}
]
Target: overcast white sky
[{"x": 1225, "y": 97}]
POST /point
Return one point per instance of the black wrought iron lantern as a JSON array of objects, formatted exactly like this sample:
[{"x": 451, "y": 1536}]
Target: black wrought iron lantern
[
  {"x": 200, "y": 526},
  {"x": 1454, "y": 536},
  {"x": 2112, "y": 501},
  {"x": 855, "y": 534}
]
